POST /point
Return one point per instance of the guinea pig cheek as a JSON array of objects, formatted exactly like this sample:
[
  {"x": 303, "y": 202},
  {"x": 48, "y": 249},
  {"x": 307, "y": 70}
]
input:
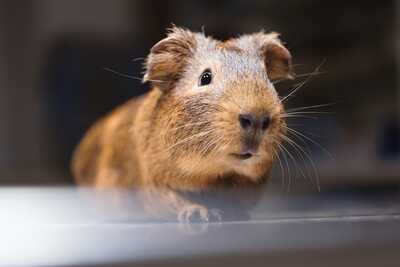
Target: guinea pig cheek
[{"x": 226, "y": 127}]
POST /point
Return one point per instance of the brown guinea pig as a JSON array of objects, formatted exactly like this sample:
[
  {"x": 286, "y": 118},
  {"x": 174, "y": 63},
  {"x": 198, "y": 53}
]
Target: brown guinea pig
[{"x": 212, "y": 121}]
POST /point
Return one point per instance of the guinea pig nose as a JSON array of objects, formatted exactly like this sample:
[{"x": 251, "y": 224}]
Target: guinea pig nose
[
  {"x": 246, "y": 121},
  {"x": 265, "y": 122}
]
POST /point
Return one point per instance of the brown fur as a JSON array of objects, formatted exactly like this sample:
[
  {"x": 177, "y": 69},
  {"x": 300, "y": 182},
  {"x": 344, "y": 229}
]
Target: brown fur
[{"x": 178, "y": 138}]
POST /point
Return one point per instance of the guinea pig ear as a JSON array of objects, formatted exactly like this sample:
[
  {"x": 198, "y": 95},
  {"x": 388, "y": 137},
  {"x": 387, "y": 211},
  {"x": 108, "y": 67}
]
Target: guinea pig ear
[
  {"x": 168, "y": 57},
  {"x": 278, "y": 60}
]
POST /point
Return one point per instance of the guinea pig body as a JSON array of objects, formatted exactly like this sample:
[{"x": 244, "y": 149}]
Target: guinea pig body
[{"x": 212, "y": 121}]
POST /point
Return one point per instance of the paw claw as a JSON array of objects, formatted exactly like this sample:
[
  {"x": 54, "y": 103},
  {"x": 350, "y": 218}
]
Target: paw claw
[{"x": 198, "y": 213}]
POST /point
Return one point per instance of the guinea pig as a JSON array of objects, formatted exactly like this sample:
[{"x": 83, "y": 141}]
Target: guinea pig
[{"x": 212, "y": 121}]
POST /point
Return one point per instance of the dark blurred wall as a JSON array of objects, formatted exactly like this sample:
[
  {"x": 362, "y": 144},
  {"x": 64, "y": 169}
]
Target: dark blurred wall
[
  {"x": 34, "y": 146},
  {"x": 22, "y": 123},
  {"x": 53, "y": 82}
]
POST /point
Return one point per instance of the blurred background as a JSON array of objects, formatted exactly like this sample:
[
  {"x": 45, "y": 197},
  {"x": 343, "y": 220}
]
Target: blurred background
[{"x": 53, "y": 82}]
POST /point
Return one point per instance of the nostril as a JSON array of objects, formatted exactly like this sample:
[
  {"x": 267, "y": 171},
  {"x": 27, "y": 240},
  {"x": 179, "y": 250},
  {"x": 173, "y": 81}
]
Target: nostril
[
  {"x": 246, "y": 121},
  {"x": 265, "y": 122}
]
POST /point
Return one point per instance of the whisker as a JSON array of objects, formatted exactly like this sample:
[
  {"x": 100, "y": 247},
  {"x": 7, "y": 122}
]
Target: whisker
[
  {"x": 129, "y": 76},
  {"x": 276, "y": 153},
  {"x": 300, "y": 76},
  {"x": 287, "y": 164},
  {"x": 189, "y": 138},
  {"x": 309, "y": 112},
  {"x": 298, "y": 116},
  {"x": 298, "y": 87},
  {"x": 317, "y": 180},
  {"x": 189, "y": 125},
  {"x": 310, "y": 74},
  {"x": 310, "y": 107},
  {"x": 299, "y": 151},
  {"x": 278, "y": 81},
  {"x": 210, "y": 144},
  {"x": 290, "y": 142},
  {"x": 303, "y": 114},
  {"x": 122, "y": 74},
  {"x": 138, "y": 59},
  {"x": 300, "y": 135},
  {"x": 301, "y": 139},
  {"x": 311, "y": 140}
]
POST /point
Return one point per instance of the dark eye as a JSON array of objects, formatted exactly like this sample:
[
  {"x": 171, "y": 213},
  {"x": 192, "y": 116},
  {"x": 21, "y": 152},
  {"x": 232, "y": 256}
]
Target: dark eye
[{"x": 205, "y": 78}]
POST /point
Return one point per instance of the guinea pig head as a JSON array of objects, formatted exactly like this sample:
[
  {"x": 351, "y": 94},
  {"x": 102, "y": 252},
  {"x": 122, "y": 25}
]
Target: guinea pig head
[{"x": 219, "y": 111}]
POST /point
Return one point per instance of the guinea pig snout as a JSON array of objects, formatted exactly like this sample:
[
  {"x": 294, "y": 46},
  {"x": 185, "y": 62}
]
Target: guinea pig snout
[{"x": 252, "y": 124}]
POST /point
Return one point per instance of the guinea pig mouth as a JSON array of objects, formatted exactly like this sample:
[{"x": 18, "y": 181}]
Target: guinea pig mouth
[{"x": 242, "y": 156}]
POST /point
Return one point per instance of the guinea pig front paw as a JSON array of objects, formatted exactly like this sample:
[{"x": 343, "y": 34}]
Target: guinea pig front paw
[
  {"x": 193, "y": 213},
  {"x": 197, "y": 213}
]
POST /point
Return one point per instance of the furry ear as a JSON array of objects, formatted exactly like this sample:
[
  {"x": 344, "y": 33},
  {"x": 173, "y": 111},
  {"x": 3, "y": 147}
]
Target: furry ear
[
  {"x": 278, "y": 60},
  {"x": 168, "y": 57}
]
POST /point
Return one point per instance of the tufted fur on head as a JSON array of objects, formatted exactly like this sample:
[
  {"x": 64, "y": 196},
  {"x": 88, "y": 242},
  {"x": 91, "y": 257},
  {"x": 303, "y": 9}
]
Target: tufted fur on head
[{"x": 168, "y": 57}]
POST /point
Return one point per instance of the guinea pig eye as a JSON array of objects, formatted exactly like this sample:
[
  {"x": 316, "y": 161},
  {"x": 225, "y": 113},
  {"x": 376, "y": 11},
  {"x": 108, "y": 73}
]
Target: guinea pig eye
[{"x": 205, "y": 77}]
